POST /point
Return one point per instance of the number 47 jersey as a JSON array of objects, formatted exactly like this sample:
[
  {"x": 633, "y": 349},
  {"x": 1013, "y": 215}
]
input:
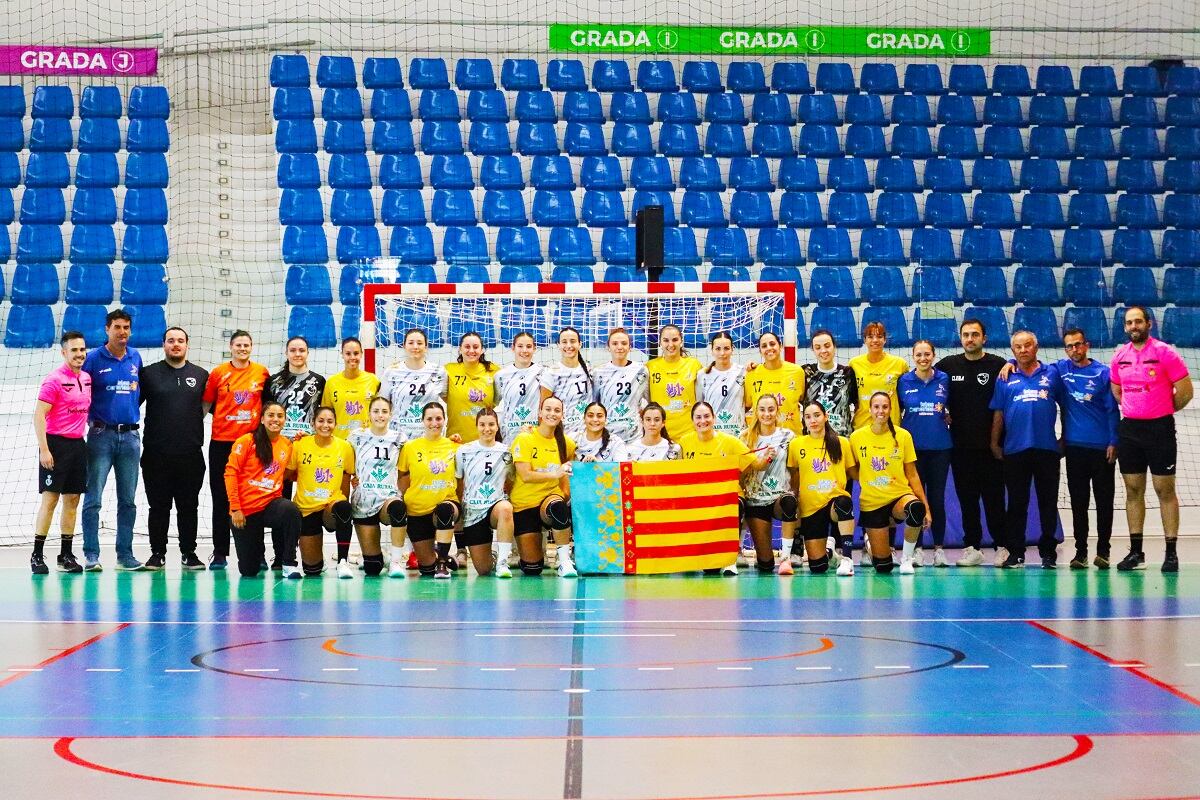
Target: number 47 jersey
[{"x": 375, "y": 459}]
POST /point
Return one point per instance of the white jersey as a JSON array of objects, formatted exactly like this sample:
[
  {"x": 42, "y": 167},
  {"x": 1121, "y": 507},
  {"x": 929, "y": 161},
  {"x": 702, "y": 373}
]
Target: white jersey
[
  {"x": 375, "y": 459},
  {"x": 410, "y": 390},
  {"x": 622, "y": 392},
  {"x": 726, "y": 393},
  {"x": 483, "y": 471},
  {"x": 665, "y": 450},
  {"x": 518, "y": 392},
  {"x": 764, "y": 487},
  {"x": 616, "y": 450},
  {"x": 576, "y": 390}
]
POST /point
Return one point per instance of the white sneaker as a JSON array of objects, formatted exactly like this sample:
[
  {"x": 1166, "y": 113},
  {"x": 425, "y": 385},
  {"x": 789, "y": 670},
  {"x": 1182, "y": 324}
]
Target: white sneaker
[
  {"x": 344, "y": 571},
  {"x": 939, "y": 557},
  {"x": 502, "y": 569},
  {"x": 845, "y": 567},
  {"x": 743, "y": 559},
  {"x": 918, "y": 559},
  {"x": 1001, "y": 556},
  {"x": 292, "y": 571},
  {"x": 730, "y": 571},
  {"x": 971, "y": 557},
  {"x": 835, "y": 558},
  {"x": 797, "y": 561},
  {"x": 396, "y": 569},
  {"x": 566, "y": 567},
  {"x": 514, "y": 559},
  {"x": 908, "y": 566}
]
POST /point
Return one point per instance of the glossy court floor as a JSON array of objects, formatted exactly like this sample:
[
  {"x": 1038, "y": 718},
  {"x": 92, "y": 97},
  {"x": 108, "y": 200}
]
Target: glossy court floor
[{"x": 972, "y": 683}]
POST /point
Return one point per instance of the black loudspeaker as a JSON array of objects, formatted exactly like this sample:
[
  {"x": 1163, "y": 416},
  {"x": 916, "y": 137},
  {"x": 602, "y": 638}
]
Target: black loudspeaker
[{"x": 650, "y": 241}]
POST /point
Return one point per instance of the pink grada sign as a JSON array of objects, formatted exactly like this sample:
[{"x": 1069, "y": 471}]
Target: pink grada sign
[{"x": 17, "y": 59}]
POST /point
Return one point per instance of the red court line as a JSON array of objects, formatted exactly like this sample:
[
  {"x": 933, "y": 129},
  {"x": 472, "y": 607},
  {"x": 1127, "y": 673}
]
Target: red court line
[
  {"x": 1166, "y": 687},
  {"x": 1083, "y": 746},
  {"x": 70, "y": 651}
]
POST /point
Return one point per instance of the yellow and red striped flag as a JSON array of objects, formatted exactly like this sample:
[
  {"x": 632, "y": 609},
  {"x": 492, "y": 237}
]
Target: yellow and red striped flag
[{"x": 652, "y": 517}]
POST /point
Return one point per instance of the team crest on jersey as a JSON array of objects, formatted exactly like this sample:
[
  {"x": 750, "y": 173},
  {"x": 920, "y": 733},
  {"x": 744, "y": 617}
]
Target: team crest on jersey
[
  {"x": 476, "y": 395},
  {"x": 353, "y": 407},
  {"x": 322, "y": 475},
  {"x": 983, "y": 378},
  {"x": 191, "y": 382},
  {"x": 272, "y": 468},
  {"x": 437, "y": 466},
  {"x": 241, "y": 396},
  {"x": 879, "y": 463},
  {"x": 49, "y": 479},
  {"x": 379, "y": 473},
  {"x": 486, "y": 491},
  {"x": 820, "y": 465},
  {"x": 674, "y": 390},
  {"x": 506, "y": 458}
]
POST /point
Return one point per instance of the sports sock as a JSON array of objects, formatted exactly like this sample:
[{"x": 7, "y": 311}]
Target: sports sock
[
  {"x": 563, "y": 551},
  {"x": 909, "y": 549},
  {"x": 39, "y": 542},
  {"x": 1171, "y": 548},
  {"x": 64, "y": 545},
  {"x": 1135, "y": 543},
  {"x": 786, "y": 547},
  {"x": 343, "y": 547},
  {"x": 503, "y": 551},
  {"x": 443, "y": 549}
]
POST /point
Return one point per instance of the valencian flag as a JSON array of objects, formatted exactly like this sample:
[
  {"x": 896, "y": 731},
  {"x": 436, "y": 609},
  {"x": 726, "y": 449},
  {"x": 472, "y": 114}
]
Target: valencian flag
[{"x": 656, "y": 516}]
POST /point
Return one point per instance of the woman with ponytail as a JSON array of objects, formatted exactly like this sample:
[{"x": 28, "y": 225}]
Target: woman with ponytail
[
  {"x": 768, "y": 485},
  {"x": 655, "y": 443},
  {"x": 819, "y": 459},
  {"x": 597, "y": 442},
  {"x": 722, "y": 385},
  {"x": 673, "y": 377},
  {"x": 570, "y": 381},
  {"x": 542, "y": 458},
  {"x": 322, "y": 466}
]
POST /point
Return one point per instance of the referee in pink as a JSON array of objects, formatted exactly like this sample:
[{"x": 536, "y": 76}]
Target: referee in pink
[
  {"x": 59, "y": 421},
  {"x": 1151, "y": 383}
]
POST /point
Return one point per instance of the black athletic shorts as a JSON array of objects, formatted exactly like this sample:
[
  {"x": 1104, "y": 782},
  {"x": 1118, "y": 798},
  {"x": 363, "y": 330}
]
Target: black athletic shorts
[
  {"x": 816, "y": 526},
  {"x": 528, "y": 520},
  {"x": 313, "y": 524},
  {"x": 878, "y": 517},
  {"x": 69, "y": 475},
  {"x": 480, "y": 532},
  {"x": 373, "y": 519},
  {"x": 1146, "y": 444},
  {"x": 765, "y": 513}
]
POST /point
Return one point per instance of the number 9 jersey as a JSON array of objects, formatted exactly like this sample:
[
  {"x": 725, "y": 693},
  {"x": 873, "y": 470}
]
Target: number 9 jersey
[{"x": 375, "y": 458}]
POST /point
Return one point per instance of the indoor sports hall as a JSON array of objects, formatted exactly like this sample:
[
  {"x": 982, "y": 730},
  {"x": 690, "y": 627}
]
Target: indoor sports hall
[{"x": 301, "y": 170}]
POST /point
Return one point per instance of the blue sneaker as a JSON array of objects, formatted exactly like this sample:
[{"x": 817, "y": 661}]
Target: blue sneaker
[
  {"x": 217, "y": 563},
  {"x": 93, "y": 566},
  {"x": 129, "y": 565}
]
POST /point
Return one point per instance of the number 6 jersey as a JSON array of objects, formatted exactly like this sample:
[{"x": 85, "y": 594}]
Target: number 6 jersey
[{"x": 375, "y": 458}]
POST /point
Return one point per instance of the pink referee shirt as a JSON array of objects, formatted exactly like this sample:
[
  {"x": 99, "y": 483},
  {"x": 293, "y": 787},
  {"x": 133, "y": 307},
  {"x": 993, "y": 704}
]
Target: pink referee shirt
[
  {"x": 70, "y": 396},
  {"x": 1147, "y": 379}
]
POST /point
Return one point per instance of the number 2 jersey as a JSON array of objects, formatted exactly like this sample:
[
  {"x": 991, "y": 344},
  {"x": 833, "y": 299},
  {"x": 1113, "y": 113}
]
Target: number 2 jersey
[
  {"x": 410, "y": 390},
  {"x": 375, "y": 459},
  {"x": 622, "y": 392},
  {"x": 483, "y": 471},
  {"x": 518, "y": 392}
]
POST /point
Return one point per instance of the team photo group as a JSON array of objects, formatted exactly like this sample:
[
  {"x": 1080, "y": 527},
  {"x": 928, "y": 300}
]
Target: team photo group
[{"x": 470, "y": 462}]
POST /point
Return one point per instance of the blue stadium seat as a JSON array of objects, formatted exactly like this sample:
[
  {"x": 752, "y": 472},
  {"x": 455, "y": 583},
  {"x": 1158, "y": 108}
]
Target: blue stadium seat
[
  {"x": 474, "y": 73},
  {"x": 1140, "y": 111},
  {"x": 304, "y": 244},
  {"x": 584, "y": 139},
  {"x": 341, "y": 104},
  {"x": 957, "y": 141},
  {"x": 1011, "y": 79},
  {"x": 307, "y": 285},
  {"x": 53, "y": 102},
  {"x": 839, "y": 321},
  {"x": 968, "y": 79},
  {"x": 1035, "y": 286},
  {"x": 604, "y": 208},
  {"x": 822, "y": 109},
  {"x": 47, "y": 170},
  {"x": 296, "y": 207},
  {"x": 835, "y": 78},
  {"x": 611, "y": 75},
  {"x": 879, "y": 79},
  {"x": 1181, "y": 248},
  {"x": 1003, "y": 141},
  {"x": 10, "y": 170},
  {"x": 554, "y": 207},
  {"x": 1181, "y": 326},
  {"x": 99, "y": 136},
  {"x": 49, "y": 135},
  {"x": 790, "y": 78},
  {"x": 862, "y": 109},
  {"x": 1041, "y": 322},
  {"x": 453, "y": 207},
  {"x": 1035, "y": 247},
  {"x": 441, "y": 137},
  {"x": 933, "y": 247},
  {"x": 1085, "y": 286},
  {"x": 1181, "y": 211},
  {"x": 897, "y": 210},
  {"x": 726, "y": 141},
  {"x": 1095, "y": 111},
  {"x": 632, "y": 140},
  {"x": 347, "y": 171},
  {"x": 934, "y": 283},
  {"x": 582, "y": 107},
  {"x": 1051, "y": 142},
  {"x": 1088, "y": 175},
  {"x": 643, "y": 198},
  {"x": 801, "y": 210},
  {"x": 351, "y": 207},
  {"x": 945, "y": 175},
  {"x": 993, "y": 210},
  {"x": 1135, "y": 286},
  {"x": 1041, "y": 175},
  {"x": 942, "y": 332},
  {"x": 998, "y": 110},
  {"x": 752, "y": 210},
  {"x": 1181, "y": 143},
  {"x": 1083, "y": 248},
  {"x": 923, "y": 79},
  {"x": 148, "y": 207},
  {"x": 468, "y": 244},
  {"x": 12, "y": 135},
  {"x": 428, "y": 73},
  {"x": 412, "y": 245},
  {"x": 1137, "y": 211},
  {"x": 497, "y": 172},
  {"x": 617, "y": 246},
  {"x": 147, "y": 136},
  {"x": 439, "y": 104},
  {"x": 866, "y": 141},
  {"x": 679, "y": 140},
  {"x": 89, "y": 283},
  {"x": 504, "y": 207},
  {"x": 727, "y": 247},
  {"x": 7, "y": 214},
  {"x": 93, "y": 244},
  {"x": 775, "y": 109},
  {"x": 1089, "y": 211},
  {"x": 298, "y": 171},
  {"x": 391, "y": 104},
  {"x": 785, "y": 275},
  {"x": 848, "y": 174},
  {"x": 654, "y": 173},
  {"x": 1182, "y": 286},
  {"x": 487, "y": 105},
  {"x": 893, "y": 321},
  {"x": 572, "y": 273},
  {"x": 552, "y": 172},
  {"x": 995, "y": 320},
  {"x": 12, "y": 101},
  {"x": 679, "y": 248},
  {"x": 402, "y": 207},
  {"x": 829, "y": 247},
  {"x": 985, "y": 247},
  {"x": 144, "y": 284},
  {"x": 1134, "y": 248},
  {"x": 779, "y": 247},
  {"x": 945, "y": 210},
  {"x": 993, "y": 175},
  {"x": 678, "y": 108},
  {"x": 105, "y": 101},
  {"x": 468, "y": 273},
  {"x": 1044, "y": 110},
  {"x": 516, "y": 246},
  {"x": 800, "y": 175},
  {"x": 725, "y": 272},
  {"x": 955, "y": 109},
  {"x": 629, "y": 107},
  {"x": 831, "y": 285},
  {"x": 382, "y": 73},
  {"x": 89, "y": 320},
  {"x": 314, "y": 323},
  {"x": 1183, "y": 80},
  {"x": 702, "y": 210},
  {"x": 678, "y": 274},
  {"x": 754, "y": 175},
  {"x": 656, "y": 76},
  {"x": 884, "y": 286},
  {"x": 747, "y": 77},
  {"x": 358, "y": 243},
  {"x": 34, "y": 283},
  {"x": 1092, "y": 322},
  {"x": 296, "y": 136},
  {"x": 451, "y": 172},
  {"x": 849, "y": 210},
  {"x": 520, "y": 74},
  {"x": 1183, "y": 111},
  {"x": 43, "y": 207},
  {"x": 336, "y": 72},
  {"x": 1140, "y": 143},
  {"x": 911, "y": 110},
  {"x": 702, "y": 77},
  {"x": 1098, "y": 80},
  {"x": 571, "y": 246},
  {"x": 881, "y": 247},
  {"x": 565, "y": 75},
  {"x": 99, "y": 170},
  {"x": 772, "y": 141},
  {"x": 896, "y": 175}
]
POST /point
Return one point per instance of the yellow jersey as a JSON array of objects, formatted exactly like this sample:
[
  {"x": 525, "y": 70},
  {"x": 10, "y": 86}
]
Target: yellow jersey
[
  {"x": 880, "y": 376},
  {"x": 673, "y": 386},
  {"x": 431, "y": 473},
  {"x": 319, "y": 472},
  {"x": 787, "y": 384},
  {"x": 470, "y": 388},
  {"x": 819, "y": 478},
  {"x": 722, "y": 445},
  {"x": 881, "y": 461},
  {"x": 541, "y": 454},
  {"x": 350, "y": 398}
]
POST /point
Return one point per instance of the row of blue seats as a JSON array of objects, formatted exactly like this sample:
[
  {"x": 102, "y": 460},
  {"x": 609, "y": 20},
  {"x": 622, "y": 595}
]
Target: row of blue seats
[
  {"x": 491, "y": 105},
  {"x": 141, "y": 244},
  {"x": 723, "y": 140},
  {"x": 33, "y": 325},
  {"x": 776, "y": 247},
  {"x": 43, "y": 206},
  {"x": 752, "y": 173},
  {"x": 95, "y": 136},
  {"x": 38, "y": 284},
  {"x": 613, "y": 75},
  {"x": 712, "y": 209},
  {"x": 95, "y": 102},
  {"x": 92, "y": 170}
]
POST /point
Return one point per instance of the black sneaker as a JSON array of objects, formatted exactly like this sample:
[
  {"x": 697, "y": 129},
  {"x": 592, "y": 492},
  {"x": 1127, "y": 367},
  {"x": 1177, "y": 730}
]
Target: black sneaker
[
  {"x": 37, "y": 565},
  {"x": 68, "y": 564},
  {"x": 156, "y": 562},
  {"x": 1101, "y": 562},
  {"x": 218, "y": 563},
  {"x": 277, "y": 565},
  {"x": 1170, "y": 563},
  {"x": 1014, "y": 561},
  {"x": 1050, "y": 562},
  {"x": 1132, "y": 561},
  {"x": 190, "y": 563},
  {"x": 1080, "y": 560},
  {"x": 451, "y": 563}
]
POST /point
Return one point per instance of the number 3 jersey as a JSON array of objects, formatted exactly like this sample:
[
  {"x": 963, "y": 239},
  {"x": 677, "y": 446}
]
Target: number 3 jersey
[
  {"x": 518, "y": 392},
  {"x": 483, "y": 471},
  {"x": 375, "y": 458}
]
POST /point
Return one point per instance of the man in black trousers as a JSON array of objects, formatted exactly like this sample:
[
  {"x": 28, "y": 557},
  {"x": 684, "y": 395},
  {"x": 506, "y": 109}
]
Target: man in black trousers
[{"x": 172, "y": 444}]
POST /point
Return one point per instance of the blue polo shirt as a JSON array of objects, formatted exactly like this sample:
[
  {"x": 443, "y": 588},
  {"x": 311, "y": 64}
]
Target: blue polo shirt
[
  {"x": 1090, "y": 412},
  {"x": 116, "y": 398},
  {"x": 924, "y": 406},
  {"x": 1030, "y": 407}
]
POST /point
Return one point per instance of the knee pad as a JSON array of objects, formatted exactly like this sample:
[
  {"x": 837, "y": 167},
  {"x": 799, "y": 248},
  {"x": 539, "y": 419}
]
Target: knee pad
[
  {"x": 373, "y": 565},
  {"x": 445, "y": 515},
  {"x": 394, "y": 514},
  {"x": 427, "y": 571},
  {"x": 818, "y": 565},
  {"x": 789, "y": 508},
  {"x": 313, "y": 570},
  {"x": 843, "y": 508},
  {"x": 883, "y": 565},
  {"x": 341, "y": 514},
  {"x": 533, "y": 568},
  {"x": 914, "y": 513},
  {"x": 558, "y": 513}
]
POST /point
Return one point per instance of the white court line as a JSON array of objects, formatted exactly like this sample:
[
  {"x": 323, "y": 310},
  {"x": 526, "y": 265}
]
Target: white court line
[
  {"x": 892, "y": 666},
  {"x": 497, "y": 669},
  {"x": 970, "y": 666},
  {"x": 418, "y": 669},
  {"x": 580, "y": 610},
  {"x": 805, "y": 669},
  {"x": 101, "y": 669},
  {"x": 1129, "y": 664},
  {"x": 573, "y": 635},
  {"x": 339, "y": 669},
  {"x": 24, "y": 669},
  {"x": 181, "y": 670},
  {"x": 579, "y": 600},
  {"x": 262, "y": 669},
  {"x": 1048, "y": 666},
  {"x": 655, "y": 669},
  {"x": 576, "y": 669},
  {"x": 1192, "y": 665},
  {"x": 576, "y": 691},
  {"x": 735, "y": 669}
]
